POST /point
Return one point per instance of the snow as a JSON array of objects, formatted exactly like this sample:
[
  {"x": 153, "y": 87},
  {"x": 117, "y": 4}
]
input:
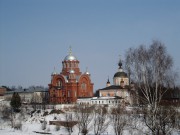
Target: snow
[{"x": 32, "y": 124}]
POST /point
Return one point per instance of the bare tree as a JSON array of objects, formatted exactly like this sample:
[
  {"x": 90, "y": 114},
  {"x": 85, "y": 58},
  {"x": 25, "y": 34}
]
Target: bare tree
[
  {"x": 101, "y": 121},
  {"x": 150, "y": 69},
  {"x": 68, "y": 122},
  {"x": 8, "y": 114},
  {"x": 177, "y": 121},
  {"x": 44, "y": 125},
  {"x": 119, "y": 119},
  {"x": 84, "y": 116},
  {"x": 44, "y": 100},
  {"x": 166, "y": 119},
  {"x": 34, "y": 101}
]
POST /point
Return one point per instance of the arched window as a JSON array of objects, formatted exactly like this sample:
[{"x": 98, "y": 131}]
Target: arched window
[
  {"x": 108, "y": 94},
  {"x": 69, "y": 93},
  {"x": 75, "y": 94},
  {"x": 59, "y": 83},
  {"x": 83, "y": 86}
]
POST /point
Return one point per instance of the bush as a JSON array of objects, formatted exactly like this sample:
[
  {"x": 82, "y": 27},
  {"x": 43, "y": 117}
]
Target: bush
[
  {"x": 18, "y": 125},
  {"x": 6, "y": 112},
  {"x": 56, "y": 111},
  {"x": 45, "y": 113},
  {"x": 57, "y": 127},
  {"x": 55, "y": 118},
  {"x": 48, "y": 129},
  {"x": 43, "y": 125},
  {"x": 32, "y": 111},
  {"x": 15, "y": 102},
  {"x": 38, "y": 111}
]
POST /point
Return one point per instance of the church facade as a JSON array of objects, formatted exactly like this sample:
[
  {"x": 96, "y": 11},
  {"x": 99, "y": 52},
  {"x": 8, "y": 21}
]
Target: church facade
[
  {"x": 70, "y": 84},
  {"x": 121, "y": 87}
]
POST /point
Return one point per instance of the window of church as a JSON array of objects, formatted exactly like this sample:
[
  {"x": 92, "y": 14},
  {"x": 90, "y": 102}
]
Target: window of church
[
  {"x": 73, "y": 64},
  {"x": 59, "y": 83},
  {"x": 75, "y": 93},
  {"x": 63, "y": 94},
  {"x": 69, "y": 93},
  {"x": 83, "y": 86}
]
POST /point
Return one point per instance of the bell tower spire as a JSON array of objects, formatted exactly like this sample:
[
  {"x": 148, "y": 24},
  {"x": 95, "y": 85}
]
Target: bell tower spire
[
  {"x": 120, "y": 64},
  {"x": 108, "y": 83}
]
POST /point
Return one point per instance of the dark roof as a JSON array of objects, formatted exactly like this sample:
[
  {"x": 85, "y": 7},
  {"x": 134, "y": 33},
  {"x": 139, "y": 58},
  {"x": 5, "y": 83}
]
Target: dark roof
[
  {"x": 83, "y": 97},
  {"x": 118, "y": 97},
  {"x": 30, "y": 90},
  {"x": 120, "y": 74},
  {"x": 7, "y": 89},
  {"x": 105, "y": 98},
  {"x": 113, "y": 87}
]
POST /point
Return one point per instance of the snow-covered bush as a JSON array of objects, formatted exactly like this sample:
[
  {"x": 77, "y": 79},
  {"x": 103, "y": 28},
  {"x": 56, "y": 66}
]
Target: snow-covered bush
[
  {"x": 6, "y": 112},
  {"x": 48, "y": 129},
  {"x": 43, "y": 125},
  {"x": 57, "y": 128},
  {"x": 18, "y": 125}
]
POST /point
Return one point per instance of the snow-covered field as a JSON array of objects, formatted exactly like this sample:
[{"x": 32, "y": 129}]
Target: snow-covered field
[{"x": 32, "y": 123}]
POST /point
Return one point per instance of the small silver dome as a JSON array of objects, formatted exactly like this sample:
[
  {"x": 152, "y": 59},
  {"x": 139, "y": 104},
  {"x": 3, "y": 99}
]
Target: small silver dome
[
  {"x": 87, "y": 73},
  {"x": 70, "y": 58},
  {"x": 71, "y": 71},
  {"x": 54, "y": 73}
]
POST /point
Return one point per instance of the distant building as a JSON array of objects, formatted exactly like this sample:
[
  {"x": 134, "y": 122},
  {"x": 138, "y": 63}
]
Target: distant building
[
  {"x": 120, "y": 88},
  {"x": 70, "y": 84},
  {"x": 121, "y": 92},
  {"x": 101, "y": 101},
  {"x": 2, "y": 92},
  {"x": 31, "y": 95},
  {"x": 171, "y": 97}
]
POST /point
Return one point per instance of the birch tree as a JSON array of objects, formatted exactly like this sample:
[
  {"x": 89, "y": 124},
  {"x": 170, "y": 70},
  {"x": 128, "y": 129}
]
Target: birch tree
[
  {"x": 119, "y": 119},
  {"x": 68, "y": 122},
  {"x": 101, "y": 120},
  {"x": 84, "y": 116},
  {"x": 151, "y": 70}
]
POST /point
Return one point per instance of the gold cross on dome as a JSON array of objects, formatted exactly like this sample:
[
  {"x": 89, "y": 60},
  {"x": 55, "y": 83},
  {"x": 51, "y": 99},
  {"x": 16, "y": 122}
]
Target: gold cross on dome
[{"x": 70, "y": 50}]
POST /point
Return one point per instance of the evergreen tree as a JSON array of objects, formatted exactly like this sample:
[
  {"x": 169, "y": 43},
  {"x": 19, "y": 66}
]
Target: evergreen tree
[{"x": 15, "y": 101}]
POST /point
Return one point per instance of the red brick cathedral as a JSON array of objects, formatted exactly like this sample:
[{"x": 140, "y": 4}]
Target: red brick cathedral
[{"x": 70, "y": 84}]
